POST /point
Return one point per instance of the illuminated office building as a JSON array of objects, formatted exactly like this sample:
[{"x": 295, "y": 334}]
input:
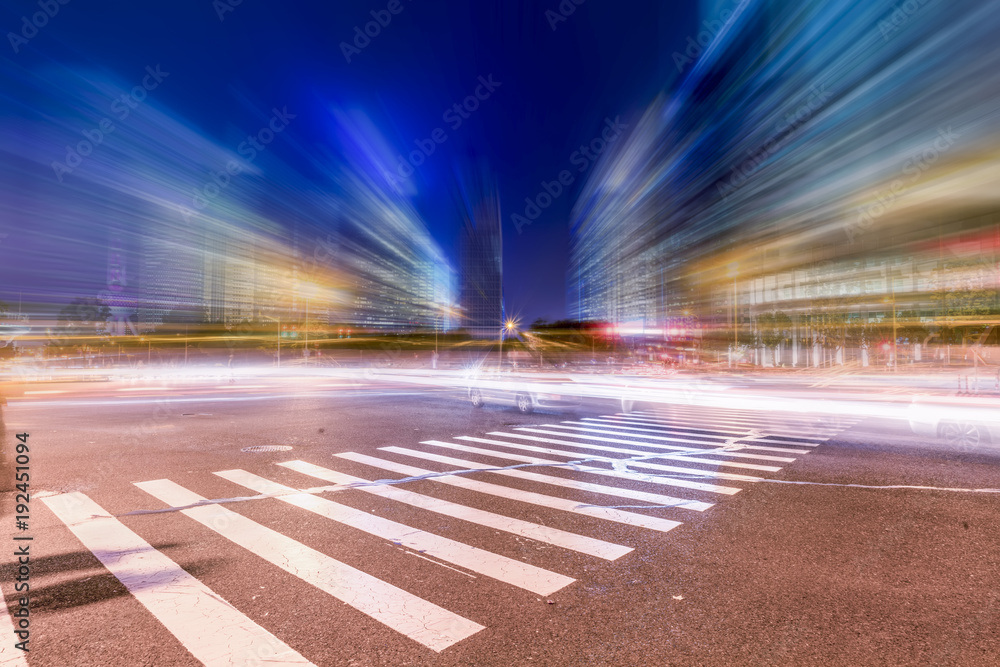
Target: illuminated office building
[
  {"x": 482, "y": 277},
  {"x": 814, "y": 158}
]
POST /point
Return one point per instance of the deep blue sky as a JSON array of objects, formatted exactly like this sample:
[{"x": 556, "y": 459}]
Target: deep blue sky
[{"x": 607, "y": 59}]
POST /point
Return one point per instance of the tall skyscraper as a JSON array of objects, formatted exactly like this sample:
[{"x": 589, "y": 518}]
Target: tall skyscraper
[{"x": 482, "y": 275}]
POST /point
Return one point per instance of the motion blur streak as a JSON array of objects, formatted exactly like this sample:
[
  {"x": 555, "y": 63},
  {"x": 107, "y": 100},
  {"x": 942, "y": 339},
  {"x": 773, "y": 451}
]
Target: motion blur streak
[
  {"x": 191, "y": 230},
  {"x": 816, "y": 153}
]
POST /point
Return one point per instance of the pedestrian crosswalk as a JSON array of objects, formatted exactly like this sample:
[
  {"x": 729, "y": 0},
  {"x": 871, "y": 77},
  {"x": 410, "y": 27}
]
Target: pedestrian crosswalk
[
  {"x": 559, "y": 538},
  {"x": 643, "y": 471},
  {"x": 214, "y": 631}
]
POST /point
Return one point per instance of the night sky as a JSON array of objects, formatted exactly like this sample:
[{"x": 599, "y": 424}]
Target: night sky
[{"x": 556, "y": 87}]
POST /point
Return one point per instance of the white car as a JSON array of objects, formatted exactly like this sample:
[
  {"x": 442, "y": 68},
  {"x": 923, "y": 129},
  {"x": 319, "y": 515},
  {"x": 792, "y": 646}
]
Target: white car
[
  {"x": 965, "y": 422},
  {"x": 523, "y": 395}
]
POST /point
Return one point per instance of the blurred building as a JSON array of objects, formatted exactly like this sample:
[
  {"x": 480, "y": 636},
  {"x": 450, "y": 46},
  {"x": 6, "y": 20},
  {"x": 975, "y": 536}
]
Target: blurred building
[
  {"x": 390, "y": 296},
  {"x": 832, "y": 161},
  {"x": 120, "y": 297},
  {"x": 482, "y": 277},
  {"x": 172, "y": 278}
]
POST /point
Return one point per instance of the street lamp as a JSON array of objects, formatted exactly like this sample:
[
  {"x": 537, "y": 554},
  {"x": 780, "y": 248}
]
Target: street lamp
[{"x": 509, "y": 325}]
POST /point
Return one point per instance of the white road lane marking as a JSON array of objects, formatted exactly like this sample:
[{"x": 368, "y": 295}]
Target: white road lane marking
[
  {"x": 589, "y": 469},
  {"x": 681, "y": 455},
  {"x": 687, "y": 425},
  {"x": 214, "y": 631},
  {"x": 791, "y": 419},
  {"x": 782, "y": 422},
  {"x": 746, "y": 439},
  {"x": 10, "y": 656},
  {"x": 560, "y": 538},
  {"x": 779, "y": 425},
  {"x": 508, "y": 570},
  {"x": 416, "y": 618},
  {"x": 694, "y": 472},
  {"x": 717, "y": 446},
  {"x": 697, "y": 428},
  {"x": 655, "y": 498},
  {"x": 552, "y": 502}
]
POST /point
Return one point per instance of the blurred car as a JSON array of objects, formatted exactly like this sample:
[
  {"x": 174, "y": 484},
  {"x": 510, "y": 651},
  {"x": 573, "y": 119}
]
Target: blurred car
[
  {"x": 965, "y": 422},
  {"x": 486, "y": 388}
]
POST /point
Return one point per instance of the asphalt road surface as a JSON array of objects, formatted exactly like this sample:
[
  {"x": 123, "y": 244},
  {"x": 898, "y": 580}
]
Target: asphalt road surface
[{"x": 748, "y": 539}]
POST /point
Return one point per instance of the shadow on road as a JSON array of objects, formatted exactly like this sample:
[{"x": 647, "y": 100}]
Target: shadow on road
[{"x": 95, "y": 583}]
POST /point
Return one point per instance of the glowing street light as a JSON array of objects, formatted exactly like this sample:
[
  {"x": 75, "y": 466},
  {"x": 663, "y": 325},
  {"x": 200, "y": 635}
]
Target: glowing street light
[{"x": 508, "y": 326}]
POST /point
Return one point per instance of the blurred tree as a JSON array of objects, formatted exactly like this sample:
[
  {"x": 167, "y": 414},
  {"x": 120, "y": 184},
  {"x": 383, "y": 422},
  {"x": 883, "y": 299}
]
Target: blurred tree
[
  {"x": 747, "y": 338},
  {"x": 82, "y": 326},
  {"x": 909, "y": 328},
  {"x": 775, "y": 329},
  {"x": 84, "y": 318},
  {"x": 966, "y": 288}
]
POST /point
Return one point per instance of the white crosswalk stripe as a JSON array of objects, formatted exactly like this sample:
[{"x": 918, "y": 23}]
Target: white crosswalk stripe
[
  {"x": 832, "y": 422},
  {"x": 789, "y": 426},
  {"x": 686, "y": 428},
  {"x": 747, "y": 440},
  {"x": 552, "y": 502},
  {"x": 692, "y": 472},
  {"x": 10, "y": 655},
  {"x": 504, "y": 569},
  {"x": 606, "y": 431},
  {"x": 555, "y": 481},
  {"x": 701, "y": 486},
  {"x": 206, "y": 625},
  {"x": 697, "y": 428},
  {"x": 733, "y": 419},
  {"x": 534, "y": 531},
  {"x": 407, "y": 614},
  {"x": 678, "y": 455}
]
